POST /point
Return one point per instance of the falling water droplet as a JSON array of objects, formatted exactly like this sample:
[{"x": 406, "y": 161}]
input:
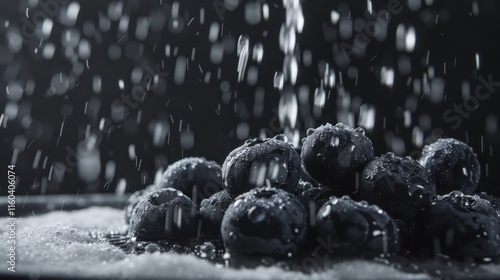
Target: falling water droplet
[
  {"x": 319, "y": 101},
  {"x": 243, "y": 53},
  {"x": 279, "y": 81},
  {"x": 288, "y": 109},
  {"x": 290, "y": 69},
  {"x": 258, "y": 52}
]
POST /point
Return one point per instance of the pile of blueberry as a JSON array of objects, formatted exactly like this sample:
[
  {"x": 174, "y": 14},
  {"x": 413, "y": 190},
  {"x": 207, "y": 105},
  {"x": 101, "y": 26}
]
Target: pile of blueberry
[{"x": 267, "y": 200}]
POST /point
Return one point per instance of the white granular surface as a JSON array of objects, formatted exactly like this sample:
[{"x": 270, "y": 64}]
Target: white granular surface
[{"x": 58, "y": 243}]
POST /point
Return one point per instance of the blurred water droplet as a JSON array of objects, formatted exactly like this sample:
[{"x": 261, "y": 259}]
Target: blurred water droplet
[
  {"x": 367, "y": 117},
  {"x": 243, "y": 53},
  {"x": 345, "y": 27},
  {"x": 287, "y": 39},
  {"x": 14, "y": 91},
  {"x": 89, "y": 163},
  {"x": 319, "y": 101},
  {"x": 110, "y": 168},
  {"x": 231, "y": 5},
  {"x": 121, "y": 187},
  {"x": 417, "y": 137},
  {"x": 258, "y": 52},
  {"x": 121, "y": 84},
  {"x": 253, "y": 12},
  {"x": 334, "y": 16},
  {"x": 279, "y": 81},
  {"x": 410, "y": 39},
  {"x": 290, "y": 69},
  {"x": 187, "y": 140},
  {"x": 14, "y": 39},
  {"x": 329, "y": 77},
  {"x": 216, "y": 53},
  {"x": 307, "y": 58},
  {"x": 213, "y": 32},
  {"x": 437, "y": 90},
  {"x": 288, "y": 109},
  {"x": 242, "y": 131},
  {"x": 160, "y": 130},
  {"x": 387, "y": 76},
  {"x": 414, "y": 5},
  {"x": 477, "y": 61},
  {"x": 405, "y": 38},
  {"x": 59, "y": 84},
  {"x": 265, "y": 11},
  {"x": 48, "y": 51},
  {"x": 69, "y": 13},
  {"x": 46, "y": 28},
  {"x": 142, "y": 28},
  {"x": 180, "y": 70}
]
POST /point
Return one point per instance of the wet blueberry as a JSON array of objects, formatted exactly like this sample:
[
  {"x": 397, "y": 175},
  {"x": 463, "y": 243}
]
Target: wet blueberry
[
  {"x": 211, "y": 213},
  {"x": 332, "y": 155},
  {"x": 356, "y": 228},
  {"x": 494, "y": 201},
  {"x": 264, "y": 221},
  {"x": 134, "y": 199},
  {"x": 453, "y": 164},
  {"x": 195, "y": 177},
  {"x": 399, "y": 185},
  {"x": 259, "y": 162},
  {"x": 164, "y": 214},
  {"x": 459, "y": 225}
]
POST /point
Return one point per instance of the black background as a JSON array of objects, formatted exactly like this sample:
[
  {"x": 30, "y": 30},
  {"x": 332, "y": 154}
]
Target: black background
[{"x": 457, "y": 36}]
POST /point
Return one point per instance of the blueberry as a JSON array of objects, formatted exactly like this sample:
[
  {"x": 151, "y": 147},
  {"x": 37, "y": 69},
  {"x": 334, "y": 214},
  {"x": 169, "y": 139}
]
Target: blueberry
[
  {"x": 494, "y": 201},
  {"x": 399, "y": 185},
  {"x": 356, "y": 228},
  {"x": 164, "y": 214},
  {"x": 264, "y": 221},
  {"x": 134, "y": 199},
  {"x": 332, "y": 155},
  {"x": 453, "y": 164},
  {"x": 193, "y": 173},
  {"x": 459, "y": 225},
  {"x": 259, "y": 162},
  {"x": 211, "y": 213}
]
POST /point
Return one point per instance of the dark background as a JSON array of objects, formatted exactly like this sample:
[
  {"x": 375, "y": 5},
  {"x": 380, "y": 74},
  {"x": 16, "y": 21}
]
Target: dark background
[{"x": 454, "y": 38}]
